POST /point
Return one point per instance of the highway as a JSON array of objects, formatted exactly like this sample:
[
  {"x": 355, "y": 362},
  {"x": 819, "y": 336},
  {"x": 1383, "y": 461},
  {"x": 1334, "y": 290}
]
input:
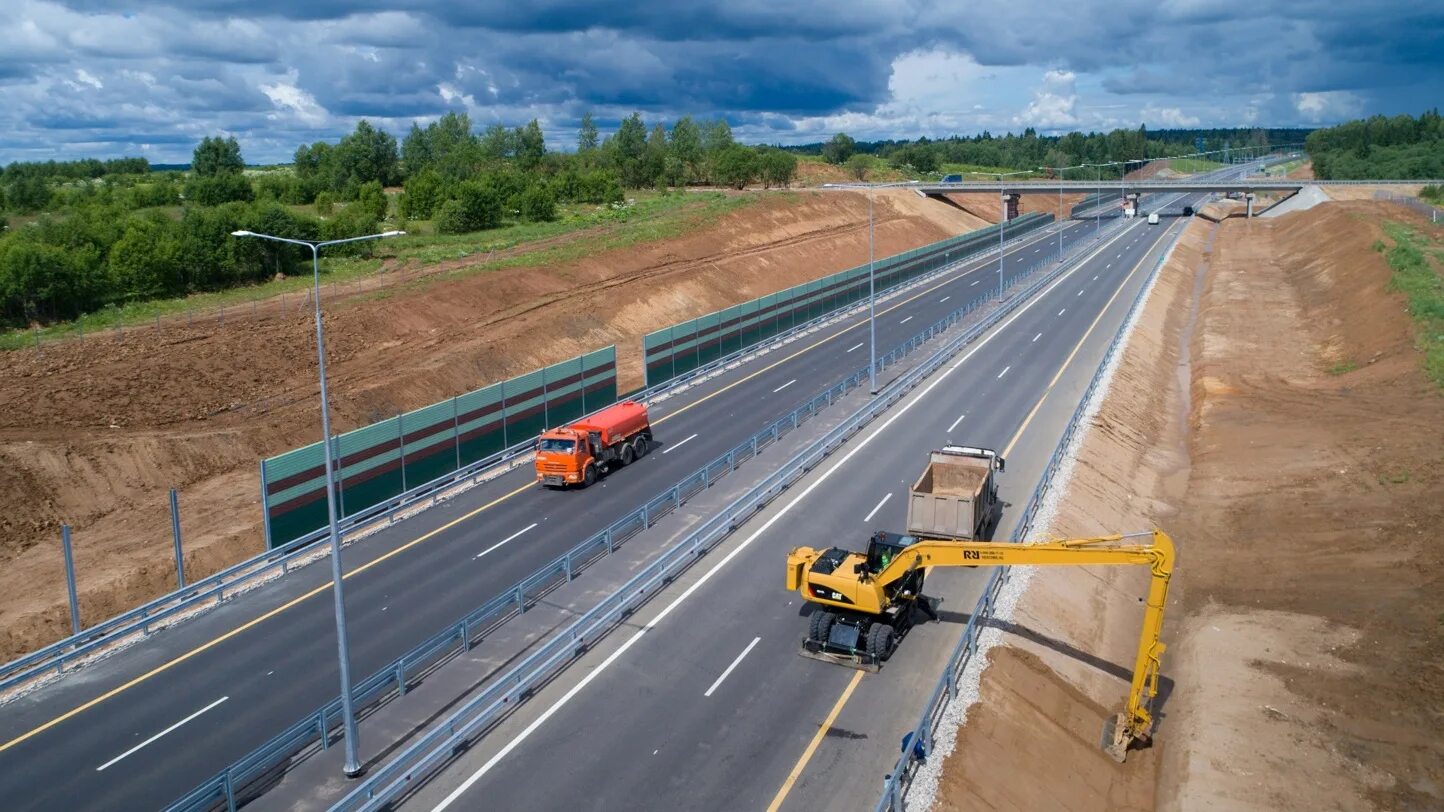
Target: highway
[
  {"x": 703, "y": 703},
  {"x": 141, "y": 727}
]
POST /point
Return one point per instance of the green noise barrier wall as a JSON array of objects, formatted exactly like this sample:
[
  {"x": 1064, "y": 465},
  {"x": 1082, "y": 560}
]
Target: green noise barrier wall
[
  {"x": 386, "y": 459},
  {"x": 681, "y": 348}
]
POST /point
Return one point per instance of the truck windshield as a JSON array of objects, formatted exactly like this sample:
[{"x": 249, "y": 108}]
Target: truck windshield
[{"x": 548, "y": 444}]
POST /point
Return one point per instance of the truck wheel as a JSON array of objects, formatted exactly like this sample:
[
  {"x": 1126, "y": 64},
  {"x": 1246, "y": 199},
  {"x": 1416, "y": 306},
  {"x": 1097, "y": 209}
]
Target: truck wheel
[
  {"x": 640, "y": 446},
  {"x": 880, "y": 641},
  {"x": 820, "y": 626},
  {"x": 627, "y": 455},
  {"x": 589, "y": 477}
]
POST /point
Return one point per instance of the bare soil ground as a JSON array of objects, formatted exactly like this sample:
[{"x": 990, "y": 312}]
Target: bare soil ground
[
  {"x": 1289, "y": 441},
  {"x": 1303, "y": 172},
  {"x": 94, "y": 433}
]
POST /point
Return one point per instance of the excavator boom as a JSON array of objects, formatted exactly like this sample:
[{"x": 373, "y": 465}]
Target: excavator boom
[{"x": 865, "y": 600}]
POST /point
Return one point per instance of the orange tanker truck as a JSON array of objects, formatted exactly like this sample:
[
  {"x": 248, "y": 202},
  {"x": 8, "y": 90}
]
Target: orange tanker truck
[{"x": 579, "y": 453}]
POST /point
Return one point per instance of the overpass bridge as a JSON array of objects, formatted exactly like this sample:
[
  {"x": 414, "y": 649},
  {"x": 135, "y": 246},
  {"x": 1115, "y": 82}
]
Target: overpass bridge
[{"x": 1237, "y": 185}]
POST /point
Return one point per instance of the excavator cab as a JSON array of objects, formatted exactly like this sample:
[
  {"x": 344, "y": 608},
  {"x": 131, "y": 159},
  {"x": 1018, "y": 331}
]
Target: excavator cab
[{"x": 882, "y": 548}]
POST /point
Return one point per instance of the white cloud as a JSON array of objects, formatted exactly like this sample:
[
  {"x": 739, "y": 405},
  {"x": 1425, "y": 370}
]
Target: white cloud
[
  {"x": 87, "y": 78},
  {"x": 1330, "y": 105},
  {"x": 1054, "y": 105},
  {"x": 1168, "y": 117},
  {"x": 302, "y": 105}
]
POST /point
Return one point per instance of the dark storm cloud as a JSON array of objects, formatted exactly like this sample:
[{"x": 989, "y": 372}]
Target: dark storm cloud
[{"x": 277, "y": 72}]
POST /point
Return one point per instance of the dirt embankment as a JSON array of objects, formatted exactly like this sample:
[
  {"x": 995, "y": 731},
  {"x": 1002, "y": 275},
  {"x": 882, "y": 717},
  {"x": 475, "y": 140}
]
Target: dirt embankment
[
  {"x": 1289, "y": 441},
  {"x": 94, "y": 433}
]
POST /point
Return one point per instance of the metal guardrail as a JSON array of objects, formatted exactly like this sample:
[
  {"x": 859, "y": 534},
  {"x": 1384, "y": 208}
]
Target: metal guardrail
[
  {"x": 440, "y": 743},
  {"x": 1434, "y": 213},
  {"x": 898, "y": 781},
  {"x": 140, "y": 621},
  {"x": 393, "y": 680}
]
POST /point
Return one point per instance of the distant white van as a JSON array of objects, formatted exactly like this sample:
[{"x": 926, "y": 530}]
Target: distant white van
[{"x": 1153, "y": 218}]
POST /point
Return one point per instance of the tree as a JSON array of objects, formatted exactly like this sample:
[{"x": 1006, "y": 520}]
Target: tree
[
  {"x": 372, "y": 200},
  {"x": 216, "y": 156},
  {"x": 477, "y": 206},
  {"x": 777, "y": 167},
  {"x": 145, "y": 262},
  {"x": 628, "y": 147},
  {"x": 735, "y": 166},
  {"x": 366, "y": 154},
  {"x": 655, "y": 157},
  {"x": 424, "y": 191},
  {"x": 716, "y": 136},
  {"x": 213, "y": 190},
  {"x": 325, "y": 204},
  {"x": 587, "y": 134},
  {"x": 530, "y": 146},
  {"x": 839, "y": 149},
  {"x": 858, "y": 165},
  {"x": 28, "y": 195},
  {"x": 685, "y": 144},
  {"x": 497, "y": 143},
  {"x": 538, "y": 203}
]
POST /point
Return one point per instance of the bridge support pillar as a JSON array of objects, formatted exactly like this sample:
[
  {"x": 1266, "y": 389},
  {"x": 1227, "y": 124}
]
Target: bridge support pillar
[
  {"x": 1249, "y": 198},
  {"x": 1010, "y": 206}
]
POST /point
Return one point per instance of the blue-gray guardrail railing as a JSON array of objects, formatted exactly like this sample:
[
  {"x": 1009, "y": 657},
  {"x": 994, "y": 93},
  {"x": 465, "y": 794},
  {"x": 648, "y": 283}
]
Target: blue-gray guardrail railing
[
  {"x": 897, "y": 782},
  {"x": 394, "y": 679},
  {"x": 392, "y": 779},
  {"x": 238, "y": 577}
]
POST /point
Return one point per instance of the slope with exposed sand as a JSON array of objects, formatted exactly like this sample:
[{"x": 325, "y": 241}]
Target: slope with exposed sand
[
  {"x": 93, "y": 433},
  {"x": 1271, "y": 413}
]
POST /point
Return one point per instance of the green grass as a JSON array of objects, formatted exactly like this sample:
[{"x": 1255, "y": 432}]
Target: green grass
[
  {"x": 650, "y": 216},
  {"x": 1423, "y": 288},
  {"x": 1341, "y": 367},
  {"x": 1192, "y": 166},
  {"x": 1282, "y": 169}
]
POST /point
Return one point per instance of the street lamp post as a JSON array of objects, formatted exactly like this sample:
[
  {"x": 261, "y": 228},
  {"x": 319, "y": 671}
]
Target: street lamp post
[
  {"x": 1002, "y": 224},
  {"x": 871, "y": 303},
  {"x": 348, "y": 721}
]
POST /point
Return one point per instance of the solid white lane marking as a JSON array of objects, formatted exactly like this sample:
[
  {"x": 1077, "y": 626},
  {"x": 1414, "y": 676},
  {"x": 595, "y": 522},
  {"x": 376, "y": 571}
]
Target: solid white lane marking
[
  {"x": 1038, "y": 336},
  {"x": 1005, "y": 370},
  {"x": 877, "y": 507},
  {"x": 162, "y": 733},
  {"x": 856, "y": 346},
  {"x": 945, "y": 298},
  {"x": 730, "y": 667},
  {"x": 784, "y": 386},
  {"x": 956, "y": 422},
  {"x": 906, "y": 320},
  {"x": 902, "y": 409},
  {"x": 507, "y": 540},
  {"x": 674, "y": 446}
]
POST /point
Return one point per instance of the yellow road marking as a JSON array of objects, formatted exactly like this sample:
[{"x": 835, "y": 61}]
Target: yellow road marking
[
  {"x": 248, "y": 624},
  {"x": 857, "y": 677},
  {"x": 408, "y": 545},
  {"x": 812, "y": 745}
]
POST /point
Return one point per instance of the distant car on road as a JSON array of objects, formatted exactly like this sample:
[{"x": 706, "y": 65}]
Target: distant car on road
[
  {"x": 952, "y": 178},
  {"x": 1153, "y": 218}
]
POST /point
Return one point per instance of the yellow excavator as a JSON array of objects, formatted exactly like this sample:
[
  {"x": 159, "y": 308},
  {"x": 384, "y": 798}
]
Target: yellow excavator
[{"x": 866, "y": 601}]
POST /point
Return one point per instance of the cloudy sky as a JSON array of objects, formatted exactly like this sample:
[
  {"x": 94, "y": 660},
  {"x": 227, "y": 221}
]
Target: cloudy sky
[{"x": 151, "y": 77}]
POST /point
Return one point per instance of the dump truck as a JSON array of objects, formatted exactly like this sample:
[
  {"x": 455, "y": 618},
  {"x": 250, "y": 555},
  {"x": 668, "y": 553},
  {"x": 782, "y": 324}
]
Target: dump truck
[
  {"x": 582, "y": 452},
  {"x": 863, "y": 603},
  {"x": 957, "y": 495}
]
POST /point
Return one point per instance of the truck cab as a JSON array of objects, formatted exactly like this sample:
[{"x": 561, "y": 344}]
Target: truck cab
[{"x": 579, "y": 453}]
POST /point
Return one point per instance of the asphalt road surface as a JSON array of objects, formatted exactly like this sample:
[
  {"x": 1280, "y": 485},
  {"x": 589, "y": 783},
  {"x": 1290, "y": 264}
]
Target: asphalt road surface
[{"x": 145, "y": 725}]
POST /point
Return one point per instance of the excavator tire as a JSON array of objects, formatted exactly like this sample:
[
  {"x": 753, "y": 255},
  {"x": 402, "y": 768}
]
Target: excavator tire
[
  {"x": 880, "y": 641},
  {"x": 820, "y": 626}
]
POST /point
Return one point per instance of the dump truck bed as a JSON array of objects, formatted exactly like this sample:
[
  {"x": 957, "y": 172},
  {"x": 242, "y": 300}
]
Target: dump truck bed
[{"x": 953, "y": 498}]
